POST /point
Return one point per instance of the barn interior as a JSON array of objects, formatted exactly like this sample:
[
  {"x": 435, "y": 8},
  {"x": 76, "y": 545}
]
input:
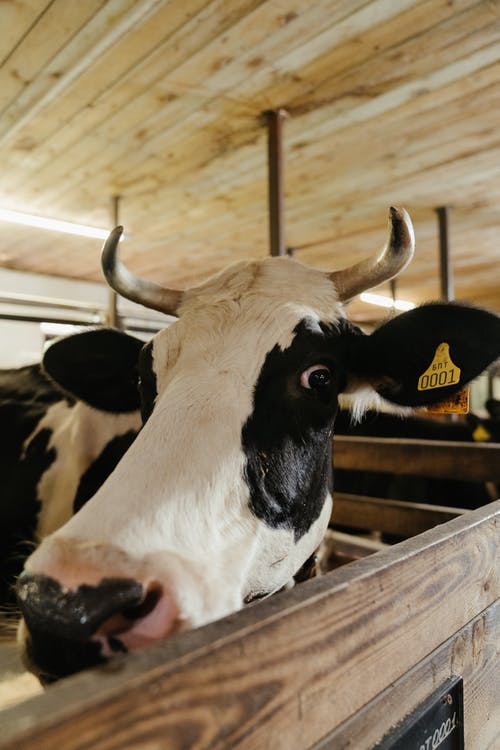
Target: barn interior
[{"x": 155, "y": 114}]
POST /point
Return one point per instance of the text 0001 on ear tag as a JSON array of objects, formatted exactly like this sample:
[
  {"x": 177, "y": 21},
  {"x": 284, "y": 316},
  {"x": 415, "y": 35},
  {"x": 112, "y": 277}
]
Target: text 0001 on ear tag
[{"x": 441, "y": 372}]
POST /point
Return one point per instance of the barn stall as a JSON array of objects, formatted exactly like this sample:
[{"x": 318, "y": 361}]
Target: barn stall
[{"x": 164, "y": 105}]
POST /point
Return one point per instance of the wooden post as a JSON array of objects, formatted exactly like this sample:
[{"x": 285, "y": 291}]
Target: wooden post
[
  {"x": 447, "y": 291},
  {"x": 112, "y": 311},
  {"x": 275, "y": 120}
]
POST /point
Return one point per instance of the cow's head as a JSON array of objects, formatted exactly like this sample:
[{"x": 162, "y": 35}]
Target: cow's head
[{"x": 223, "y": 496}]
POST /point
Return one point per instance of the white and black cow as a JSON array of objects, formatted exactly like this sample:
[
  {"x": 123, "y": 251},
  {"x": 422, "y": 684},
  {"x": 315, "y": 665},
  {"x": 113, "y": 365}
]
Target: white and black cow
[
  {"x": 57, "y": 449},
  {"x": 223, "y": 495}
]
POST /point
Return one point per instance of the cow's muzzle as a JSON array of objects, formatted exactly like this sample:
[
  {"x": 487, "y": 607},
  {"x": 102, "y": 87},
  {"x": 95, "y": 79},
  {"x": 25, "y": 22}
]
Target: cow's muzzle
[{"x": 68, "y": 630}]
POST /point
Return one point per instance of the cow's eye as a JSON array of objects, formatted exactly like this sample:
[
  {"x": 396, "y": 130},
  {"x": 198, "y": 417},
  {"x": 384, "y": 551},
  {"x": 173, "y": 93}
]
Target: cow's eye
[{"x": 317, "y": 376}]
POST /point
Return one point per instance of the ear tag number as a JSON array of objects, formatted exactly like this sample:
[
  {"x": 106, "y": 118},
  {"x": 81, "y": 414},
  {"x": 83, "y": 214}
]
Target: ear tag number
[{"x": 441, "y": 372}]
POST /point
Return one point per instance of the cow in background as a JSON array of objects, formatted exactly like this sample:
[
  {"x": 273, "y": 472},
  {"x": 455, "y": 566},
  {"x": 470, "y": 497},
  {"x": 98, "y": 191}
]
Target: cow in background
[
  {"x": 223, "y": 494},
  {"x": 57, "y": 449}
]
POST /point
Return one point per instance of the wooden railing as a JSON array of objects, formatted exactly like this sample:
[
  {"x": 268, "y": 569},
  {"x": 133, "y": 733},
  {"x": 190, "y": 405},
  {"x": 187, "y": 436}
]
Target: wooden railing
[
  {"x": 333, "y": 663},
  {"x": 431, "y": 458}
]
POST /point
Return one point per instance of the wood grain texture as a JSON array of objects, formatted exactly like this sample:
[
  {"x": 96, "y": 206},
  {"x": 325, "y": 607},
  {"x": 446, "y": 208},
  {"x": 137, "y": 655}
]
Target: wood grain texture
[
  {"x": 289, "y": 670},
  {"x": 472, "y": 653},
  {"x": 389, "y": 516},
  {"x": 161, "y": 102},
  {"x": 430, "y": 458}
]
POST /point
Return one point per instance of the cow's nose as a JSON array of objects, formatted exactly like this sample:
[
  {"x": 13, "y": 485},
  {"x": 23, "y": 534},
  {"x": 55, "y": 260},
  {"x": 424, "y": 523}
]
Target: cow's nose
[
  {"x": 59, "y": 624},
  {"x": 77, "y": 615}
]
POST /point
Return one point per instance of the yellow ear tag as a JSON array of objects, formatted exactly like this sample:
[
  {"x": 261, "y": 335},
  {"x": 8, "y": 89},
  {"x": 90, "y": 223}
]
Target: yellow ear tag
[
  {"x": 456, "y": 404},
  {"x": 441, "y": 372},
  {"x": 481, "y": 434}
]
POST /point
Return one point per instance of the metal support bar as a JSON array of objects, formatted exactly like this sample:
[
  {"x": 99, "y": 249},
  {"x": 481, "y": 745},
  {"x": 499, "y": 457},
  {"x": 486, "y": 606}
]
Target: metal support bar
[
  {"x": 447, "y": 291},
  {"x": 275, "y": 119},
  {"x": 112, "y": 319}
]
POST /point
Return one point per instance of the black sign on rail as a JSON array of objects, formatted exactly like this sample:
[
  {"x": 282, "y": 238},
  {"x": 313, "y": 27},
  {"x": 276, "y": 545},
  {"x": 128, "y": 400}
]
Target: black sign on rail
[{"x": 437, "y": 723}]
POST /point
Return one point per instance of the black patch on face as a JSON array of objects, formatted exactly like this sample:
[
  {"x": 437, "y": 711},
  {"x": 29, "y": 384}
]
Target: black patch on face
[
  {"x": 147, "y": 384},
  {"x": 287, "y": 438},
  {"x": 101, "y": 468}
]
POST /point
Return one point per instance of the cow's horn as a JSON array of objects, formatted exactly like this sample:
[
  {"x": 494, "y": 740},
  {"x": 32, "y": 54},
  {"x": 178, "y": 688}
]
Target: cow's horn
[
  {"x": 395, "y": 256},
  {"x": 124, "y": 282}
]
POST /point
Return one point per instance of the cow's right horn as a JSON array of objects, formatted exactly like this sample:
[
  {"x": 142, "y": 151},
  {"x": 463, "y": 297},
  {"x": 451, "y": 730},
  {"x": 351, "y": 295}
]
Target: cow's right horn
[
  {"x": 394, "y": 256},
  {"x": 132, "y": 287}
]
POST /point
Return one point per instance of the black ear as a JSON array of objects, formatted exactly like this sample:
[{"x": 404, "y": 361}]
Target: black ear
[
  {"x": 98, "y": 367},
  {"x": 426, "y": 354}
]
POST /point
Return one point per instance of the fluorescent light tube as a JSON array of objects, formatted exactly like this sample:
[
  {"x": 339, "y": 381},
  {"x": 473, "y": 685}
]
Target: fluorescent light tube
[
  {"x": 29, "y": 220},
  {"x": 383, "y": 301}
]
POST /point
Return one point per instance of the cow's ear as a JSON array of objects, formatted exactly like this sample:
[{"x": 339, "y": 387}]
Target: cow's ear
[
  {"x": 98, "y": 367},
  {"x": 426, "y": 354}
]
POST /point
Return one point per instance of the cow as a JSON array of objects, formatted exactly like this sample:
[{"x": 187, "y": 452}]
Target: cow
[
  {"x": 223, "y": 494},
  {"x": 56, "y": 449}
]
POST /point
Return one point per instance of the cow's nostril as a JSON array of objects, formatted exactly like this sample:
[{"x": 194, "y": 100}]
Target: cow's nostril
[
  {"x": 122, "y": 621},
  {"x": 155, "y": 617},
  {"x": 150, "y": 601}
]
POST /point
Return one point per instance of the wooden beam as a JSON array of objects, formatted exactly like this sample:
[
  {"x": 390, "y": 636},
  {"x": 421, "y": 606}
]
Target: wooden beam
[
  {"x": 430, "y": 458},
  {"x": 471, "y": 653},
  {"x": 290, "y": 669},
  {"x": 446, "y": 275},
  {"x": 389, "y": 516},
  {"x": 275, "y": 119}
]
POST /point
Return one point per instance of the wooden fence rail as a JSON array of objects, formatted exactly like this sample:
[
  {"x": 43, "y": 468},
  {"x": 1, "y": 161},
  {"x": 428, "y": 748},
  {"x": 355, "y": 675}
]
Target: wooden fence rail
[
  {"x": 334, "y": 662},
  {"x": 430, "y": 458}
]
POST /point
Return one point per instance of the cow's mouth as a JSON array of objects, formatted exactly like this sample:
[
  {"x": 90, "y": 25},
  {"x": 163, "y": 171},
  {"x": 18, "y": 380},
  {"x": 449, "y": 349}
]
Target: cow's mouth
[{"x": 67, "y": 630}]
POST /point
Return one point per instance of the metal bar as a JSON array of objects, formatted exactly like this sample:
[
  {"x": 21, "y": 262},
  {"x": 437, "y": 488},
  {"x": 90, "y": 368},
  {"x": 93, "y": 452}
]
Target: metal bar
[
  {"x": 447, "y": 291},
  {"x": 112, "y": 313},
  {"x": 275, "y": 120},
  {"x": 39, "y": 318},
  {"x": 129, "y": 324},
  {"x": 31, "y": 300}
]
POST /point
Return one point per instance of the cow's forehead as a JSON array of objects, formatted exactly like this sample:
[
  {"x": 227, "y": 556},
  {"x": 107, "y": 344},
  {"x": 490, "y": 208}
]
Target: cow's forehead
[
  {"x": 271, "y": 281},
  {"x": 235, "y": 318}
]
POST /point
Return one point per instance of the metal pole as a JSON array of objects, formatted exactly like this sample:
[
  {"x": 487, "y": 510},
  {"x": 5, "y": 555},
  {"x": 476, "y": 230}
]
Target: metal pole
[
  {"x": 447, "y": 291},
  {"x": 112, "y": 312},
  {"x": 275, "y": 120}
]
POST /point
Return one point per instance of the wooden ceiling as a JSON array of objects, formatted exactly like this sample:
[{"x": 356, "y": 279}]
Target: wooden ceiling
[{"x": 161, "y": 102}]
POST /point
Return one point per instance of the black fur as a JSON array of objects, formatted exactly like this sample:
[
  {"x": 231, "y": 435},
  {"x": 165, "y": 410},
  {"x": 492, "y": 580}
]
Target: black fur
[
  {"x": 395, "y": 356},
  {"x": 287, "y": 438},
  {"x": 147, "y": 383},
  {"x": 98, "y": 367},
  {"x": 101, "y": 468},
  {"x": 25, "y": 395}
]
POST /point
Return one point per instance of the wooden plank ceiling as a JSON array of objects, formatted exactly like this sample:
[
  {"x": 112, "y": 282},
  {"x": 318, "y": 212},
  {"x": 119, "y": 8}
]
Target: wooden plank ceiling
[{"x": 161, "y": 102}]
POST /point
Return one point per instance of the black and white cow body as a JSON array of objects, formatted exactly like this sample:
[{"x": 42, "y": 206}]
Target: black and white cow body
[
  {"x": 223, "y": 495},
  {"x": 55, "y": 449}
]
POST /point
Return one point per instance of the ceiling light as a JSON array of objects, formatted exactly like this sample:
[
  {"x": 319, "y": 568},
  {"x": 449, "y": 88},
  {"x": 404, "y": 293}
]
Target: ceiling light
[
  {"x": 383, "y": 301},
  {"x": 29, "y": 220}
]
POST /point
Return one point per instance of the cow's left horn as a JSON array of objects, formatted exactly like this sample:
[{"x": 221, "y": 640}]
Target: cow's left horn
[
  {"x": 395, "y": 256},
  {"x": 132, "y": 287}
]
